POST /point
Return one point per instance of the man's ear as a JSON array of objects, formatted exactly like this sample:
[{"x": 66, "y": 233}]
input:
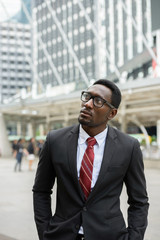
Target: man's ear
[{"x": 112, "y": 113}]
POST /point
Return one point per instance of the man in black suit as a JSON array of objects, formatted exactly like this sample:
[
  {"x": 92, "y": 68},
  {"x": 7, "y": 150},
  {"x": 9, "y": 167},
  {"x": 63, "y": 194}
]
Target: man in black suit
[{"x": 93, "y": 214}]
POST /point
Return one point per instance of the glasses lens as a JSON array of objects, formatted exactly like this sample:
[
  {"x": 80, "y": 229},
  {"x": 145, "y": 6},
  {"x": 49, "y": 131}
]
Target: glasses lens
[
  {"x": 98, "y": 102},
  {"x": 85, "y": 97}
]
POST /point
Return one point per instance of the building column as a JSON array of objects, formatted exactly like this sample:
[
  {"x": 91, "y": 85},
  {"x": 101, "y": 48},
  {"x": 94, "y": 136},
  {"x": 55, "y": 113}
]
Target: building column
[
  {"x": 66, "y": 119},
  {"x": 158, "y": 133},
  {"x": 23, "y": 129},
  {"x": 158, "y": 51},
  {"x": 123, "y": 118},
  {"x": 19, "y": 129},
  {"x": 30, "y": 130},
  {"x": 5, "y": 147},
  {"x": 123, "y": 122},
  {"x": 41, "y": 129},
  {"x": 48, "y": 123}
]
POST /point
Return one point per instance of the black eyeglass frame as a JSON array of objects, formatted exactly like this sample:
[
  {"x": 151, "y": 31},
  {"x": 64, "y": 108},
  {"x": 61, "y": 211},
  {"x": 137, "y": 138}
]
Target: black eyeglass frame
[{"x": 93, "y": 97}]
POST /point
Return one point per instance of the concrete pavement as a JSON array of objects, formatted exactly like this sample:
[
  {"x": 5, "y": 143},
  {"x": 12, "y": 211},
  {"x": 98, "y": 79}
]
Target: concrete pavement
[
  {"x": 16, "y": 210},
  {"x": 3, "y": 237}
]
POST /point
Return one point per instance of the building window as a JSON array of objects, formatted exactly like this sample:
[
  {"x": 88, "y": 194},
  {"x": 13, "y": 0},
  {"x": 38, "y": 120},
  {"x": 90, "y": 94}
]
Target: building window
[
  {"x": 81, "y": 14},
  {"x": 89, "y": 59},
  {"x": 82, "y": 61},
  {"x": 58, "y": 10},
  {"x": 70, "y": 65},
  {"x": 82, "y": 29},
  {"x": 82, "y": 45},
  {"x": 75, "y": 16},
  {"x": 59, "y": 68},
  {"x": 75, "y": 32},
  {"x": 76, "y": 47}
]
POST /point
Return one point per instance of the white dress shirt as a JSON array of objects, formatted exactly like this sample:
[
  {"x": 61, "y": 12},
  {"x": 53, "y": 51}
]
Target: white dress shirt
[{"x": 98, "y": 154}]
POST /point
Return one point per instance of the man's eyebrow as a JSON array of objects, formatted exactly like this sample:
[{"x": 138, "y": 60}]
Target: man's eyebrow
[{"x": 97, "y": 95}]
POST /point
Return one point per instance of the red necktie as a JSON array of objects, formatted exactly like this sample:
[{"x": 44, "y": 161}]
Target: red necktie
[{"x": 87, "y": 167}]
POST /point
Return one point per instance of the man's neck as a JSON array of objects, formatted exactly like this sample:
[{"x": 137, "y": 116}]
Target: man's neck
[{"x": 93, "y": 131}]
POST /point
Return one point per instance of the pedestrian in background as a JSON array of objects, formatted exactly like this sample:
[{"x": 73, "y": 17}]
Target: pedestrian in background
[
  {"x": 31, "y": 153},
  {"x": 14, "y": 148},
  {"x": 18, "y": 151},
  {"x": 39, "y": 146}
]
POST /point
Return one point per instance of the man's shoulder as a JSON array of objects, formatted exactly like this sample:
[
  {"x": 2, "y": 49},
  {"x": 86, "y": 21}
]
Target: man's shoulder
[
  {"x": 63, "y": 131},
  {"x": 122, "y": 136}
]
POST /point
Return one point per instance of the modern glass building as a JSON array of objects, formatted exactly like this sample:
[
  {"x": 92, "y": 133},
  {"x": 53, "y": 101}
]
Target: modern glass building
[
  {"x": 89, "y": 39},
  {"x": 15, "y": 55},
  {"x": 15, "y": 49}
]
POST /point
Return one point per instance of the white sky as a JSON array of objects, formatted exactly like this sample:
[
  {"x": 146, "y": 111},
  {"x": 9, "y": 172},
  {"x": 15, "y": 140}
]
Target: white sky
[{"x": 11, "y": 6}]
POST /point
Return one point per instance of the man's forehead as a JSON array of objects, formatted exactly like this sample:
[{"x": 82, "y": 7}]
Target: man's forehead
[{"x": 100, "y": 90}]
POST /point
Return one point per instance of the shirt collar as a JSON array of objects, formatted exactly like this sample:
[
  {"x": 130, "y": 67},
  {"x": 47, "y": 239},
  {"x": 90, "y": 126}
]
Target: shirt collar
[{"x": 100, "y": 138}]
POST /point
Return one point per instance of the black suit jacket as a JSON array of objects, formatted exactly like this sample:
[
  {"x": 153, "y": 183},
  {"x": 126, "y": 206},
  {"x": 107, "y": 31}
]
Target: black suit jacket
[{"x": 100, "y": 215}]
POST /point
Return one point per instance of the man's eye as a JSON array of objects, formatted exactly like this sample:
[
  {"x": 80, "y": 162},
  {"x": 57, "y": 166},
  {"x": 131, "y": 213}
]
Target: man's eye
[
  {"x": 98, "y": 100},
  {"x": 87, "y": 96}
]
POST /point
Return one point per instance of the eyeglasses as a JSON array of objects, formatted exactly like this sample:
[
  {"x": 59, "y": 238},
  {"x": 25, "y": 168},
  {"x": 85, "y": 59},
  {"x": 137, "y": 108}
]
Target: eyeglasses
[{"x": 97, "y": 101}]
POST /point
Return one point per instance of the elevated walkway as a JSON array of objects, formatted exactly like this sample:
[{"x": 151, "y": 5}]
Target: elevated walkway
[
  {"x": 140, "y": 106},
  {"x": 140, "y": 98}
]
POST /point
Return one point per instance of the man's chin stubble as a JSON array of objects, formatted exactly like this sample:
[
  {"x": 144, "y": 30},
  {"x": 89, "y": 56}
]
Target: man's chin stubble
[{"x": 85, "y": 123}]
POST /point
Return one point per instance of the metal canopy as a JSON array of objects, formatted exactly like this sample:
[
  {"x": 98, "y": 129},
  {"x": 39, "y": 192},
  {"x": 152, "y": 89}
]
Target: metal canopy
[{"x": 140, "y": 100}]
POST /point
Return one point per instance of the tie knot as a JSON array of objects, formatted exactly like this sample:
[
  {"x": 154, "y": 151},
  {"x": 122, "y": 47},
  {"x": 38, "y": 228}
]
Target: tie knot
[{"x": 91, "y": 141}]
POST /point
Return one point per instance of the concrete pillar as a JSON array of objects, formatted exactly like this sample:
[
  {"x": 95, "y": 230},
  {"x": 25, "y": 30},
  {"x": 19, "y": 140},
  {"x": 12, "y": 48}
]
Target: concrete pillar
[
  {"x": 66, "y": 119},
  {"x": 5, "y": 146},
  {"x": 23, "y": 129},
  {"x": 122, "y": 119},
  {"x": 30, "y": 130},
  {"x": 158, "y": 51},
  {"x": 158, "y": 133},
  {"x": 41, "y": 129},
  {"x": 123, "y": 124},
  {"x": 65, "y": 124},
  {"x": 19, "y": 129},
  {"x": 48, "y": 123}
]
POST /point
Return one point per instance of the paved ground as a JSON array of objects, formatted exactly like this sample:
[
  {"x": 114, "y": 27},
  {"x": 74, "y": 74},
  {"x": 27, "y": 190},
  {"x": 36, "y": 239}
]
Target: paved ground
[{"x": 16, "y": 211}]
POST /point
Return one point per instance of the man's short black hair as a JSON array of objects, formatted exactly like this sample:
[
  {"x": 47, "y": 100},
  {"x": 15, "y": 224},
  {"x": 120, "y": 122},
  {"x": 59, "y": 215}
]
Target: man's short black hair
[{"x": 116, "y": 93}]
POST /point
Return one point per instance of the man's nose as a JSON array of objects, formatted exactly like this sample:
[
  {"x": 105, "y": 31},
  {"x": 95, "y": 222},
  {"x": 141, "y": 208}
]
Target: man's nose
[{"x": 89, "y": 104}]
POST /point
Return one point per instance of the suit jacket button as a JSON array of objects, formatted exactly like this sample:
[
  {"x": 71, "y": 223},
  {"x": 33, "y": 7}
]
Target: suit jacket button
[
  {"x": 84, "y": 209},
  {"x": 77, "y": 226}
]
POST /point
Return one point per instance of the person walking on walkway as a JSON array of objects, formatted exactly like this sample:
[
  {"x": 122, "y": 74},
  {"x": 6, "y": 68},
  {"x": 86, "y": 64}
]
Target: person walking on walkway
[
  {"x": 31, "y": 153},
  {"x": 39, "y": 146},
  {"x": 14, "y": 148},
  {"x": 19, "y": 148},
  {"x": 90, "y": 163}
]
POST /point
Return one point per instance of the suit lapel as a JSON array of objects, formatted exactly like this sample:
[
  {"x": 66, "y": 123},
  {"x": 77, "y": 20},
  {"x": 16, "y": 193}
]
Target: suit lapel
[
  {"x": 72, "y": 144},
  {"x": 107, "y": 156}
]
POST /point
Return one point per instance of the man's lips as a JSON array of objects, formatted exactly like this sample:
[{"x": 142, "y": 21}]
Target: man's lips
[{"x": 85, "y": 112}]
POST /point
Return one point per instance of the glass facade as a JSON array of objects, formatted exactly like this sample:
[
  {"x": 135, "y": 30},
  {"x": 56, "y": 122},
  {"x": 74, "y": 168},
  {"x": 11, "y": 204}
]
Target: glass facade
[
  {"x": 15, "y": 71},
  {"x": 77, "y": 32},
  {"x": 115, "y": 41}
]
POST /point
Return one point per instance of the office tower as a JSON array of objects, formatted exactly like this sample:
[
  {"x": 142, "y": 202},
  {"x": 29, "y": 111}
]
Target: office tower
[
  {"x": 15, "y": 55},
  {"x": 15, "y": 49},
  {"x": 90, "y": 39}
]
